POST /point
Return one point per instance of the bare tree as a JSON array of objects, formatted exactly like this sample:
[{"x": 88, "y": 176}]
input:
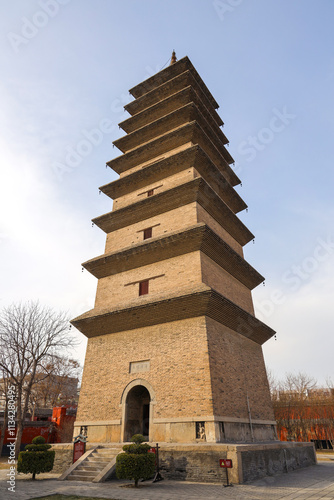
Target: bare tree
[
  {"x": 56, "y": 383},
  {"x": 4, "y": 384},
  {"x": 29, "y": 336},
  {"x": 273, "y": 384},
  {"x": 291, "y": 402}
]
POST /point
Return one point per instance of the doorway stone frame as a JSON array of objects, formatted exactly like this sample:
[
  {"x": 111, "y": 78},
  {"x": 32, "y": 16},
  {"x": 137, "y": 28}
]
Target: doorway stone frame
[{"x": 123, "y": 403}]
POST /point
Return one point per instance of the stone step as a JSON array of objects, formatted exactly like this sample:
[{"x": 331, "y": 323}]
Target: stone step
[
  {"x": 94, "y": 464},
  {"x": 104, "y": 455},
  {"x": 107, "y": 450},
  {"x": 85, "y": 467},
  {"x": 99, "y": 460},
  {"x": 89, "y": 466},
  {"x": 81, "y": 473},
  {"x": 80, "y": 478}
]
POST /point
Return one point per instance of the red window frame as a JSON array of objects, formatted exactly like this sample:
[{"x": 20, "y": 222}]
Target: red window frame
[
  {"x": 147, "y": 233},
  {"x": 143, "y": 287}
]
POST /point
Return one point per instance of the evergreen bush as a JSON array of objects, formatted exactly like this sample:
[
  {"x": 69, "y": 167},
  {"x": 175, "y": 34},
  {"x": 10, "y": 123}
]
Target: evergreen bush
[
  {"x": 136, "y": 463},
  {"x": 37, "y": 458}
]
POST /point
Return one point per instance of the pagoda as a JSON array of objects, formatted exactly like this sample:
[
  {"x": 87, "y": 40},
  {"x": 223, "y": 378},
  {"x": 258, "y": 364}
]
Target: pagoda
[{"x": 174, "y": 349}]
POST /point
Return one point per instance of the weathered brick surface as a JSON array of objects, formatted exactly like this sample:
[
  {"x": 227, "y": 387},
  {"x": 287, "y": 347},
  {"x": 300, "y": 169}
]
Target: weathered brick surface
[
  {"x": 181, "y": 273},
  {"x": 179, "y": 370},
  {"x": 193, "y": 465},
  {"x": 169, "y": 152},
  {"x": 158, "y": 186},
  {"x": 174, "y": 220},
  {"x": 220, "y": 280},
  {"x": 258, "y": 463},
  {"x": 237, "y": 369},
  {"x": 63, "y": 457},
  {"x": 203, "y": 216},
  {"x": 249, "y": 462}
]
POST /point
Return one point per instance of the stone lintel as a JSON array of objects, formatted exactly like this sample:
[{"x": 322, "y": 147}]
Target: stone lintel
[
  {"x": 195, "y": 190},
  {"x": 212, "y": 418},
  {"x": 167, "y": 74},
  {"x": 171, "y": 121},
  {"x": 193, "y": 156},
  {"x": 196, "y": 238},
  {"x": 79, "y": 423},
  {"x": 199, "y": 418},
  {"x": 201, "y": 301},
  {"x": 169, "y": 88}
]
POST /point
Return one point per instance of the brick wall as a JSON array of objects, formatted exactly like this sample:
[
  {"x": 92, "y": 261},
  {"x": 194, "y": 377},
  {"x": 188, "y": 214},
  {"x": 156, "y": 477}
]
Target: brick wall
[
  {"x": 179, "y": 370},
  {"x": 178, "y": 273},
  {"x": 220, "y": 280},
  {"x": 203, "y": 216},
  {"x": 174, "y": 220},
  {"x": 158, "y": 186},
  {"x": 237, "y": 368},
  {"x": 170, "y": 152}
]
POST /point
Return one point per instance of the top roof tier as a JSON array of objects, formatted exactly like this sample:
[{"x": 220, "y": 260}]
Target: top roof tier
[{"x": 168, "y": 73}]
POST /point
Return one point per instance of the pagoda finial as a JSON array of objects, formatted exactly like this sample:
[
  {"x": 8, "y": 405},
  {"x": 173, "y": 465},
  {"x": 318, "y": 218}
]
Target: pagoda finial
[{"x": 173, "y": 59}]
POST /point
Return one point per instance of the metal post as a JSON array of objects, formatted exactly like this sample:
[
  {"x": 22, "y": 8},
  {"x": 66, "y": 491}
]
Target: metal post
[{"x": 158, "y": 476}]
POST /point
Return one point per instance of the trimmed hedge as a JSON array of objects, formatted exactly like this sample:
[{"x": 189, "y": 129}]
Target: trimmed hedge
[
  {"x": 37, "y": 458},
  {"x": 136, "y": 463}
]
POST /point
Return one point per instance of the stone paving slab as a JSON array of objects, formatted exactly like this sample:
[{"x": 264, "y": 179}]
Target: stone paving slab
[{"x": 316, "y": 482}]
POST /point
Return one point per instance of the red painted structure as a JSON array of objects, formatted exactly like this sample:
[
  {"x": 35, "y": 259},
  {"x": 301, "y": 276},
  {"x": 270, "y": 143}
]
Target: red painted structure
[
  {"x": 305, "y": 422},
  {"x": 58, "y": 429}
]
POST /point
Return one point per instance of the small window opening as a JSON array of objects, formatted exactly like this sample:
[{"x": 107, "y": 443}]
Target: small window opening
[
  {"x": 143, "y": 287},
  {"x": 147, "y": 233}
]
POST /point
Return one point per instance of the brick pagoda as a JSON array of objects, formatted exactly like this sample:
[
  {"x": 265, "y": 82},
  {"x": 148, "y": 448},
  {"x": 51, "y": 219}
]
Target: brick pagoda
[{"x": 174, "y": 350}]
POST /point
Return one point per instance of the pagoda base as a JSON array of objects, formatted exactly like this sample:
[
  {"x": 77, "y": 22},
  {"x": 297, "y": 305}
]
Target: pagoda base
[
  {"x": 200, "y": 462},
  {"x": 218, "y": 430}
]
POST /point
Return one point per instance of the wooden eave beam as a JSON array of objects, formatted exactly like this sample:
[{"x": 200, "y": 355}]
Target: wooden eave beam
[
  {"x": 167, "y": 74},
  {"x": 148, "y": 312},
  {"x": 188, "y": 192},
  {"x": 191, "y": 157},
  {"x": 190, "y": 132},
  {"x": 167, "y": 89},
  {"x": 197, "y": 238}
]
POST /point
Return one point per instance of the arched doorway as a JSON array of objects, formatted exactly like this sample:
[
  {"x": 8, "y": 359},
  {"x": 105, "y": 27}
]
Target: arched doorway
[{"x": 137, "y": 412}]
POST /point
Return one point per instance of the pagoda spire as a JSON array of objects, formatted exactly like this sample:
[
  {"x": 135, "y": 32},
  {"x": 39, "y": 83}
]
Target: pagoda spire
[{"x": 173, "y": 58}]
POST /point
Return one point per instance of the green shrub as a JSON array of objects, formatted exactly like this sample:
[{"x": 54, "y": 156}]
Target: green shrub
[
  {"x": 136, "y": 463},
  {"x": 137, "y": 439},
  {"x": 38, "y": 440},
  {"x": 136, "y": 448},
  {"x": 36, "y": 458}
]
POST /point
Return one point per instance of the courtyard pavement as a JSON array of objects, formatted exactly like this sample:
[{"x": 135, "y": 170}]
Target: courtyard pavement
[{"x": 315, "y": 482}]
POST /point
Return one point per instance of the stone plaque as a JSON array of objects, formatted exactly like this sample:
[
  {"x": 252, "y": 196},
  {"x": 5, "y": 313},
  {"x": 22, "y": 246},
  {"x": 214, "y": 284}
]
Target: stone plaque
[{"x": 140, "y": 366}]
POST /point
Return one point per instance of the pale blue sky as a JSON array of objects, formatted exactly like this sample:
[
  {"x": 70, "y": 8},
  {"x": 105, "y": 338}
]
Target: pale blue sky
[{"x": 66, "y": 68}]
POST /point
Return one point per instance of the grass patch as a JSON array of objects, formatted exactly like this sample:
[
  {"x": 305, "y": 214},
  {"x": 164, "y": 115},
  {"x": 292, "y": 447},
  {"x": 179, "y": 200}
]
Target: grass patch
[{"x": 69, "y": 497}]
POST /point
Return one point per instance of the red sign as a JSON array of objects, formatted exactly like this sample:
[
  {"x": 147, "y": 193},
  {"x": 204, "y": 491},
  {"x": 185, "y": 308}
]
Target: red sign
[
  {"x": 225, "y": 463},
  {"x": 79, "y": 450}
]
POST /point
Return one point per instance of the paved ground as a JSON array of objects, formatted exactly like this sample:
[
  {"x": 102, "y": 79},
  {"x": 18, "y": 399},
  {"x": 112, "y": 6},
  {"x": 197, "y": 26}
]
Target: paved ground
[{"x": 316, "y": 482}]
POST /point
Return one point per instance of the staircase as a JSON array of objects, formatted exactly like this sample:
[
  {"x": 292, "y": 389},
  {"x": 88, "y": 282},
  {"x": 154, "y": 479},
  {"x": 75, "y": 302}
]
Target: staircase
[{"x": 95, "y": 466}]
